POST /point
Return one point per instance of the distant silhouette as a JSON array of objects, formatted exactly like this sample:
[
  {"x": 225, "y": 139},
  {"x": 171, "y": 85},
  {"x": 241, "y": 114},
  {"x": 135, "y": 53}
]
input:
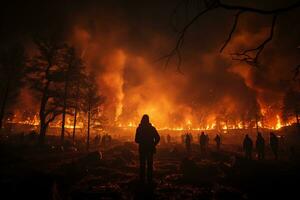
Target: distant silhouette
[
  {"x": 248, "y": 146},
  {"x": 188, "y": 141},
  {"x": 147, "y": 137},
  {"x": 168, "y": 139},
  {"x": 274, "y": 143},
  {"x": 260, "y": 146},
  {"x": 202, "y": 141},
  {"x": 218, "y": 141}
]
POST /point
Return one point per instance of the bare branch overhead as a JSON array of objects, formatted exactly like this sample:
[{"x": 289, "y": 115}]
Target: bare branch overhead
[{"x": 245, "y": 56}]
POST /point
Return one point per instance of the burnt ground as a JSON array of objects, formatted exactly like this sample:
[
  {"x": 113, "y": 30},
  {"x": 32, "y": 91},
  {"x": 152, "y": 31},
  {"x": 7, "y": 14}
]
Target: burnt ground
[{"x": 29, "y": 171}]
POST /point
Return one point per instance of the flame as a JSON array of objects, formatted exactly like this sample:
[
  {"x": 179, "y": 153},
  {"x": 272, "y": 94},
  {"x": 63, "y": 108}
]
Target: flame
[{"x": 278, "y": 123}]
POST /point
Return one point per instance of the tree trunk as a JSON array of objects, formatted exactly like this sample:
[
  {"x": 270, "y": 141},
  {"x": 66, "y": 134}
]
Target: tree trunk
[
  {"x": 43, "y": 125},
  {"x": 62, "y": 135},
  {"x": 4, "y": 101},
  {"x": 64, "y": 110},
  {"x": 298, "y": 123},
  {"x": 75, "y": 112},
  {"x": 43, "y": 129},
  {"x": 88, "y": 128},
  {"x": 74, "y": 125}
]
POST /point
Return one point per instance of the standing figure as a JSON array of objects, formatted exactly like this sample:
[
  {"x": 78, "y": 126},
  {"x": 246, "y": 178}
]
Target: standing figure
[
  {"x": 274, "y": 144},
  {"x": 218, "y": 141},
  {"x": 202, "y": 142},
  {"x": 188, "y": 142},
  {"x": 168, "y": 139},
  {"x": 248, "y": 146},
  {"x": 147, "y": 137},
  {"x": 260, "y": 146}
]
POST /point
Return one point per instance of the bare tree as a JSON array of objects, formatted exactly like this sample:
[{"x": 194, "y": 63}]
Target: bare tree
[
  {"x": 74, "y": 77},
  {"x": 251, "y": 55},
  {"x": 45, "y": 78},
  {"x": 93, "y": 100}
]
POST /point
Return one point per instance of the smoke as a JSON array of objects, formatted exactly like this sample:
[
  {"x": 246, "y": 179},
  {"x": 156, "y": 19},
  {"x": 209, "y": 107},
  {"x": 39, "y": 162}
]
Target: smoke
[
  {"x": 121, "y": 42},
  {"x": 121, "y": 45}
]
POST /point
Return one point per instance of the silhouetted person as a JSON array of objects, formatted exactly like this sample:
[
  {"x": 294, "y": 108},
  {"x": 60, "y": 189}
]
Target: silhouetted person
[
  {"x": 274, "y": 144},
  {"x": 218, "y": 141},
  {"x": 188, "y": 142},
  {"x": 147, "y": 137},
  {"x": 168, "y": 139},
  {"x": 248, "y": 146},
  {"x": 260, "y": 146},
  {"x": 202, "y": 141}
]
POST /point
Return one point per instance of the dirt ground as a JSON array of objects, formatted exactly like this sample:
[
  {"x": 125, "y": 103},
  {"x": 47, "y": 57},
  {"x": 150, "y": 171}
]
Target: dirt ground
[{"x": 29, "y": 171}]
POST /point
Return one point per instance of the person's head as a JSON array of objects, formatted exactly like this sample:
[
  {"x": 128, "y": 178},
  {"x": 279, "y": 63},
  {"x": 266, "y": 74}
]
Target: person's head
[
  {"x": 202, "y": 133},
  {"x": 247, "y": 136},
  {"x": 145, "y": 119}
]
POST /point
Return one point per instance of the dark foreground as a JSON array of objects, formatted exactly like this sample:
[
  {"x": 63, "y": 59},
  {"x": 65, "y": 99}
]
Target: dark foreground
[{"x": 33, "y": 172}]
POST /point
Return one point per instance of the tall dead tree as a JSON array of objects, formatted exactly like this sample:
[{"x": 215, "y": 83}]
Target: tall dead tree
[
  {"x": 74, "y": 77},
  {"x": 45, "y": 78},
  {"x": 93, "y": 100}
]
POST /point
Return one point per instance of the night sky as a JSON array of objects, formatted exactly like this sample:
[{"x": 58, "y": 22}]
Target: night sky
[{"x": 122, "y": 41}]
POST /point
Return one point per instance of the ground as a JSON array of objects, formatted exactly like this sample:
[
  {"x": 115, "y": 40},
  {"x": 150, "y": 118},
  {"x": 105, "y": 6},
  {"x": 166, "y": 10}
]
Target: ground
[{"x": 29, "y": 171}]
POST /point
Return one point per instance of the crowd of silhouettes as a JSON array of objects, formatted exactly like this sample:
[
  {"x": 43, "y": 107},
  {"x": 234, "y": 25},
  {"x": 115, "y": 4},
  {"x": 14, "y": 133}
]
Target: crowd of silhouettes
[
  {"x": 147, "y": 138},
  {"x": 104, "y": 140},
  {"x": 260, "y": 146}
]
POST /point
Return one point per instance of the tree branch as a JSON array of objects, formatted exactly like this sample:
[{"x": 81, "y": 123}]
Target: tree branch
[
  {"x": 236, "y": 19},
  {"x": 180, "y": 37},
  {"x": 244, "y": 56},
  {"x": 260, "y": 11}
]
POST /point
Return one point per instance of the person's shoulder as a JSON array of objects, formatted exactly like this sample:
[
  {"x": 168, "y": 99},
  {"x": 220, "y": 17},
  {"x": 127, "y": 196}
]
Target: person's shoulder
[
  {"x": 153, "y": 127},
  {"x": 138, "y": 128}
]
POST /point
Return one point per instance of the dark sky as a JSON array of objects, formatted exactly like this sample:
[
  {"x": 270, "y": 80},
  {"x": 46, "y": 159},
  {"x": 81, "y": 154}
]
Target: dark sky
[{"x": 122, "y": 39}]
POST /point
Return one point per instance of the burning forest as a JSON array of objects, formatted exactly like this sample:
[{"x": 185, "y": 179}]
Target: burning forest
[{"x": 88, "y": 86}]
